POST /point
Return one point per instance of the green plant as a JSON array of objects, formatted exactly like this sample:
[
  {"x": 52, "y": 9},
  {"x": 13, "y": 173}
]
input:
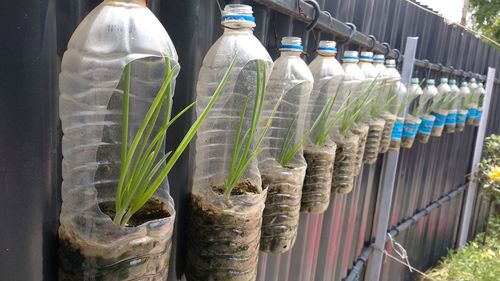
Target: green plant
[
  {"x": 141, "y": 172},
  {"x": 243, "y": 152},
  {"x": 475, "y": 261},
  {"x": 288, "y": 148},
  {"x": 488, "y": 170},
  {"x": 358, "y": 107}
]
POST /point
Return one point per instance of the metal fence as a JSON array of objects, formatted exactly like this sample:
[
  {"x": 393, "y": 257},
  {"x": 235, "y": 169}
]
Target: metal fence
[{"x": 330, "y": 246}]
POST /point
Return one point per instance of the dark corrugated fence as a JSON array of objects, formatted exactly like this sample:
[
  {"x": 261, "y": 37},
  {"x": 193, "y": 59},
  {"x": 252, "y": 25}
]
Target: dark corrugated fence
[{"x": 328, "y": 245}]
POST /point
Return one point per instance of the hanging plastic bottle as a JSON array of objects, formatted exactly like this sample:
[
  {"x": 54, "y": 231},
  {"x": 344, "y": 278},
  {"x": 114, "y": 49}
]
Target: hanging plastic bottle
[
  {"x": 439, "y": 107},
  {"x": 452, "y": 106},
  {"x": 463, "y": 108},
  {"x": 412, "y": 121},
  {"x": 396, "y": 104},
  {"x": 391, "y": 105},
  {"x": 282, "y": 165},
  {"x": 352, "y": 133},
  {"x": 226, "y": 208},
  {"x": 479, "y": 96},
  {"x": 424, "y": 110},
  {"x": 319, "y": 151},
  {"x": 118, "y": 53},
  {"x": 375, "y": 123},
  {"x": 472, "y": 102}
]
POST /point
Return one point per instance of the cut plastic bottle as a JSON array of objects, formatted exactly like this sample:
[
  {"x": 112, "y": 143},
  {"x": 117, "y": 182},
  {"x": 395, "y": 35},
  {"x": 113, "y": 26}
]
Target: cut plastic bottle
[
  {"x": 320, "y": 153},
  {"x": 384, "y": 103},
  {"x": 412, "y": 122},
  {"x": 282, "y": 164},
  {"x": 440, "y": 107},
  {"x": 115, "y": 34},
  {"x": 396, "y": 104},
  {"x": 463, "y": 102},
  {"x": 375, "y": 122},
  {"x": 425, "y": 108},
  {"x": 224, "y": 229},
  {"x": 472, "y": 102},
  {"x": 452, "y": 106},
  {"x": 479, "y": 96}
]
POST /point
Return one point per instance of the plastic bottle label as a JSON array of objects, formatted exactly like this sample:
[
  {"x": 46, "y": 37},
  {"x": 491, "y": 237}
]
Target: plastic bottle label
[
  {"x": 410, "y": 130},
  {"x": 451, "y": 119},
  {"x": 426, "y": 126},
  {"x": 472, "y": 113},
  {"x": 397, "y": 132},
  {"x": 440, "y": 119},
  {"x": 461, "y": 118},
  {"x": 478, "y": 115}
]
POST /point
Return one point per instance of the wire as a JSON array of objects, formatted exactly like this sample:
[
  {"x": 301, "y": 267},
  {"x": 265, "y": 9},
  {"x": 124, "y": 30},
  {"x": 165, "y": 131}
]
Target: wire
[{"x": 447, "y": 21}]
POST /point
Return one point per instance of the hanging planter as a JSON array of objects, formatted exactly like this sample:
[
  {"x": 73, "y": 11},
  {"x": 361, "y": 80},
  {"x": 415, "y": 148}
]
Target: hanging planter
[
  {"x": 479, "y": 96},
  {"x": 472, "y": 102},
  {"x": 323, "y": 113},
  {"x": 410, "y": 130},
  {"x": 385, "y": 141},
  {"x": 463, "y": 100},
  {"x": 227, "y": 197},
  {"x": 282, "y": 163},
  {"x": 345, "y": 161},
  {"x": 439, "y": 107},
  {"x": 425, "y": 106},
  {"x": 373, "y": 140},
  {"x": 425, "y": 128},
  {"x": 397, "y": 134},
  {"x": 360, "y": 130},
  {"x": 453, "y": 107},
  {"x": 117, "y": 215}
]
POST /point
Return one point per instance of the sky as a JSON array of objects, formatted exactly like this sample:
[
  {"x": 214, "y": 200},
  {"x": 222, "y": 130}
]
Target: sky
[{"x": 450, "y": 9}]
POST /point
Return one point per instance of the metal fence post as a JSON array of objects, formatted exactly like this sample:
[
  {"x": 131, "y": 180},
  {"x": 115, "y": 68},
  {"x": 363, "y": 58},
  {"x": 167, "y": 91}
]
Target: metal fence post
[
  {"x": 388, "y": 178},
  {"x": 478, "y": 149}
]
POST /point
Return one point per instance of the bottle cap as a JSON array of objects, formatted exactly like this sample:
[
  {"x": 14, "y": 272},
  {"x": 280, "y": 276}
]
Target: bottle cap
[
  {"x": 239, "y": 15},
  {"x": 453, "y": 82},
  {"x": 350, "y": 56},
  {"x": 444, "y": 80},
  {"x": 378, "y": 58},
  {"x": 390, "y": 63},
  {"x": 366, "y": 56},
  {"x": 414, "y": 81},
  {"x": 472, "y": 80},
  {"x": 326, "y": 46},
  {"x": 464, "y": 84},
  {"x": 430, "y": 82},
  {"x": 291, "y": 44}
]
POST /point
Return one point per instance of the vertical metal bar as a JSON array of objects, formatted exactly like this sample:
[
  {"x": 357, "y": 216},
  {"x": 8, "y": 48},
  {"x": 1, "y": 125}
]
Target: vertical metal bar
[
  {"x": 389, "y": 177},
  {"x": 472, "y": 190}
]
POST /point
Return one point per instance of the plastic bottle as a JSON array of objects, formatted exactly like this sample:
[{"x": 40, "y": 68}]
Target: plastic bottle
[
  {"x": 452, "y": 106},
  {"x": 424, "y": 110},
  {"x": 115, "y": 34},
  {"x": 290, "y": 85},
  {"x": 390, "y": 104},
  {"x": 375, "y": 123},
  {"x": 349, "y": 155},
  {"x": 396, "y": 100},
  {"x": 412, "y": 121},
  {"x": 472, "y": 102},
  {"x": 479, "y": 96},
  {"x": 440, "y": 108},
  {"x": 463, "y": 100},
  {"x": 225, "y": 229},
  {"x": 328, "y": 75}
]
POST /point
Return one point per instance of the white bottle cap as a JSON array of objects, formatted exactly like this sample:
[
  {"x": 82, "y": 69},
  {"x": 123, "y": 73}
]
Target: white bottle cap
[
  {"x": 453, "y": 82},
  {"x": 366, "y": 56},
  {"x": 350, "y": 56},
  {"x": 327, "y": 47},
  {"x": 444, "y": 80},
  {"x": 238, "y": 15},
  {"x": 291, "y": 43},
  {"x": 430, "y": 82},
  {"x": 414, "y": 81},
  {"x": 464, "y": 84},
  {"x": 472, "y": 80},
  {"x": 390, "y": 62},
  {"x": 378, "y": 58}
]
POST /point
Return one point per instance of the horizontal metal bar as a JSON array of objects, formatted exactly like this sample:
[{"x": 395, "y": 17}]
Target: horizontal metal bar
[
  {"x": 354, "y": 273},
  {"x": 326, "y": 23},
  {"x": 448, "y": 70}
]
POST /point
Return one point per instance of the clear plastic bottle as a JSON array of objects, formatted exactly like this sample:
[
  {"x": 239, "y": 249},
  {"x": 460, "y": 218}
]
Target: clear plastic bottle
[
  {"x": 374, "y": 121},
  {"x": 290, "y": 85},
  {"x": 440, "y": 107},
  {"x": 472, "y": 102},
  {"x": 328, "y": 75},
  {"x": 396, "y": 101},
  {"x": 452, "y": 106},
  {"x": 115, "y": 34},
  {"x": 412, "y": 121},
  {"x": 463, "y": 107},
  {"x": 225, "y": 230},
  {"x": 479, "y": 96},
  {"x": 349, "y": 158},
  {"x": 390, "y": 104},
  {"x": 424, "y": 110}
]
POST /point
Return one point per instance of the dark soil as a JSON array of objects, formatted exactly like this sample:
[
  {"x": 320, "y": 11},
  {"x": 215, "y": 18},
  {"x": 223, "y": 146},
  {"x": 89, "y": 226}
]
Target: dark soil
[
  {"x": 153, "y": 209},
  {"x": 460, "y": 127},
  {"x": 395, "y": 145},
  {"x": 244, "y": 187},
  {"x": 345, "y": 161},
  {"x": 449, "y": 129},
  {"x": 423, "y": 138},
  {"x": 407, "y": 142}
]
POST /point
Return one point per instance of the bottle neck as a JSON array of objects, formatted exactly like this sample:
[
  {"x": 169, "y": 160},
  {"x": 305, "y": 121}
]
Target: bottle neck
[
  {"x": 237, "y": 29},
  {"x": 290, "y": 53},
  {"x": 138, "y": 2}
]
